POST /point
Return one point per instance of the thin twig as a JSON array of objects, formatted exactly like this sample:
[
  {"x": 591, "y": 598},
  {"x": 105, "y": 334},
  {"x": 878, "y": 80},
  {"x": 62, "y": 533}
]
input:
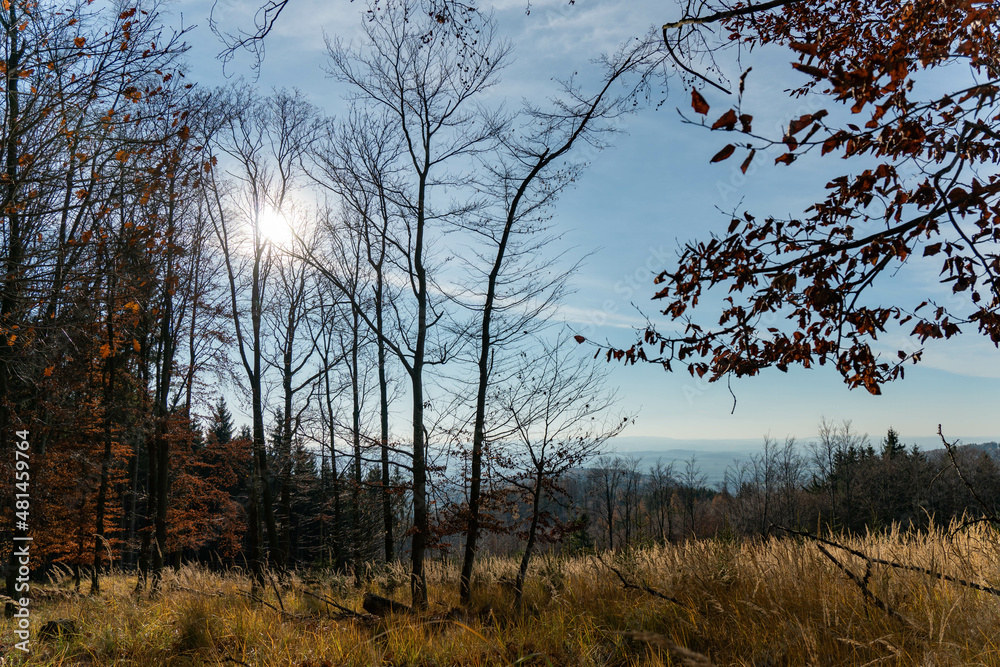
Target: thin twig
[
  {"x": 967, "y": 523},
  {"x": 269, "y": 605},
  {"x": 276, "y": 593},
  {"x": 679, "y": 63}
]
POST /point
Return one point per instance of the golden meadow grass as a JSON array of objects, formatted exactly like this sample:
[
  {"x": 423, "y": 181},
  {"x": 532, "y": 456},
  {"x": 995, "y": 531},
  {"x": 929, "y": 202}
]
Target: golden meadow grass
[{"x": 774, "y": 602}]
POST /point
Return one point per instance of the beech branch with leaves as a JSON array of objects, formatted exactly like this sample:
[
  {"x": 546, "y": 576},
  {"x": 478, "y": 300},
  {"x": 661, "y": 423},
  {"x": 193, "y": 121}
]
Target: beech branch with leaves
[{"x": 927, "y": 192}]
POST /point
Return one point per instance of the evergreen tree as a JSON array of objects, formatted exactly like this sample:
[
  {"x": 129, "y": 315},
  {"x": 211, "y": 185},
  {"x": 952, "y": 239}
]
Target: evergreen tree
[
  {"x": 222, "y": 422},
  {"x": 891, "y": 447}
]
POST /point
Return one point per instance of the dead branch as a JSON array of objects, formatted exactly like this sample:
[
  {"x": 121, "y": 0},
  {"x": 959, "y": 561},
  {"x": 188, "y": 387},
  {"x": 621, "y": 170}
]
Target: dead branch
[
  {"x": 950, "y": 448},
  {"x": 893, "y": 564},
  {"x": 863, "y": 585},
  {"x": 380, "y": 606},
  {"x": 256, "y": 598},
  {"x": 323, "y": 598},
  {"x": 639, "y": 587},
  {"x": 680, "y": 63},
  {"x": 728, "y": 14}
]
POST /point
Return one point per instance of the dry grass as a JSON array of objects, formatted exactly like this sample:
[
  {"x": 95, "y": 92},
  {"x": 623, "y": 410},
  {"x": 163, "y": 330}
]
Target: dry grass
[{"x": 778, "y": 602}]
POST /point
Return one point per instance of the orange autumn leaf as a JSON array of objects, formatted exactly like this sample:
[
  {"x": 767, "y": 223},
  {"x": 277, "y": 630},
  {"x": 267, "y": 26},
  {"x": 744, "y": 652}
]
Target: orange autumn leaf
[
  {"x": 698, "y": 103},
  {"x": 723, "y": 154}
]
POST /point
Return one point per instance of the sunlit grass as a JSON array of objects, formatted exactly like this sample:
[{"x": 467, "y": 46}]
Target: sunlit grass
[{"x": 773, "y": 602}]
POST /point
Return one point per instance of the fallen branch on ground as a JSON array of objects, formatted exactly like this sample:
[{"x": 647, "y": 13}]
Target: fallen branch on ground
[
  {"x": 323, "y": 598},
  {"x": 865, "y": 591},
  {"x": 889, "y": 563},
  {"x": 639, "y": 587}
]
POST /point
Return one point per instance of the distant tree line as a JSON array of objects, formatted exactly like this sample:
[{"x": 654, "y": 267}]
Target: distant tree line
[{"x": 839, "y": 481}]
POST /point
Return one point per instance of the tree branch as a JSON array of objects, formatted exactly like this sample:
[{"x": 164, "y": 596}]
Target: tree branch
[{"x": 732, "y": 13}]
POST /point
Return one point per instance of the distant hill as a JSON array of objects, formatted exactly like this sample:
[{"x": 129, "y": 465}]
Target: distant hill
[
  {"x": 712, "y": 464},
  {"x": 991, "y": 448},
  {"x": 713, "y": 456}
]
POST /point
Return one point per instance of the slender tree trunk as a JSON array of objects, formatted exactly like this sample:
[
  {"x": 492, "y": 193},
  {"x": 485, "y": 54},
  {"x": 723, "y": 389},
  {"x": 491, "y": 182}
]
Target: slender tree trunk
[
  {"x": 133, "y": 504},
  {"x": 161, "y": 408},
  {"x": 418, "y": 579},
  {"x": 356, "y": 435},
  {"x": 383, "y": 391},
  {"x": 334, "y": 477},
  {"x": 163, "y": 497},
  {"x": 109, "y": 397},
  {"x": 260, "y": 450},
  {"x": 485, "y": 349},
  {"x": 150, "y": 559},
  {"x": 253, "y": 532},
  {"x": 12, "y": 265},
  {"x": 285, "y": 456},
  {"x": 522, "y": 571}
]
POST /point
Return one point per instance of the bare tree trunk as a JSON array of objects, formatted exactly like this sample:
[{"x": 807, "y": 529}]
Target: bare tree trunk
[
  {"x": 260, "y": 450},
  {"x": 285, "y": 455},
  {"x": 335, "y": 477},
  {"x": 15, "y": 251},
  {"x": 109, "y": 397},
  {"x": 356, "y": 436},
  {"x": 536, "y": 500},
  {"x": 383, "y": 393},
  {"x": 253, "y": 532}
]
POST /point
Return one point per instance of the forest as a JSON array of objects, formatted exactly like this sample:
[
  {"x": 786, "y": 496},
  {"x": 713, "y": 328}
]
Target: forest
[{"x": 428, "y": 472}]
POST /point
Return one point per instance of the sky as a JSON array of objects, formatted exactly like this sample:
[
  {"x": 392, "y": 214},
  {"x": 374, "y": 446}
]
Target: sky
[{"x": 637, "y": 202}]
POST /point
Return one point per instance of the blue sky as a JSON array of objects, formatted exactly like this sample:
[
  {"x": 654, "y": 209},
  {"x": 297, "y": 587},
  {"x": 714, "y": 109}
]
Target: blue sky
[{"x": 654, "y": 190}]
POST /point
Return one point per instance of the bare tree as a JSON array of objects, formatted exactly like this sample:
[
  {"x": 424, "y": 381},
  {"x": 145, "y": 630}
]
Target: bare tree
[
  {"x": 289, "y": 311},
  {"x": 606, "y": 477},
  {"x": 426, "y": 86},
  {"x": 835, "y": 457},
  {"x": 691, "y": 483},
  {"x": 527, "y": 173},
  {"x": 264, "y": 140},
  {"x": 559, "y": 412},
  {"x": 660, "y": 487},
  {"x": 822, "y": 455},
  {"x": 357, "y": 159},
  {"x": 630, "y": 497},
  {"x": 450, "y": 18}
]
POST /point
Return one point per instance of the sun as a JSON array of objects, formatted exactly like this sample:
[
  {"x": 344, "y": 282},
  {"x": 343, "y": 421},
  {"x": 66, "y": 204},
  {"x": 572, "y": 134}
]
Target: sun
[{"x": 274, "y": 227}]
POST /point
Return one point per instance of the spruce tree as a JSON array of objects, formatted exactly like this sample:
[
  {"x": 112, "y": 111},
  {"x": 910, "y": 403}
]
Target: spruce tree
[{"x": 222, "y": 422}]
